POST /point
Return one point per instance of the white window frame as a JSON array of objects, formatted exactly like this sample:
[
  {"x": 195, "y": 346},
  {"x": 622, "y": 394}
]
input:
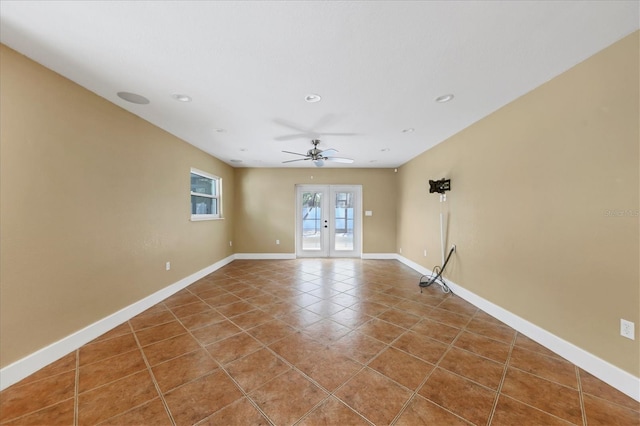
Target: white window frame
[{"x": 218, "y": 186}]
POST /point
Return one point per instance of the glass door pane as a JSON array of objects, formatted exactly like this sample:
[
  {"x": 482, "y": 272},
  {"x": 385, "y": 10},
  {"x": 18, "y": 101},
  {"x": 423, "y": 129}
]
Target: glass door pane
[
  {"x": 311, "y": 215},
  {"x": 343, "y": 221},
  {"x": 328, "y": 220}
]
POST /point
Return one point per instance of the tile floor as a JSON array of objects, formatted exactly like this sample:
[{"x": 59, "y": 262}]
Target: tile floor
[{"x": 314, "y": 342}]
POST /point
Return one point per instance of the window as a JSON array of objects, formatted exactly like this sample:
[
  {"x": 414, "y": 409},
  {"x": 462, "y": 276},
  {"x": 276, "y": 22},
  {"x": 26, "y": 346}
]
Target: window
[{"x": 206, "y": 191}]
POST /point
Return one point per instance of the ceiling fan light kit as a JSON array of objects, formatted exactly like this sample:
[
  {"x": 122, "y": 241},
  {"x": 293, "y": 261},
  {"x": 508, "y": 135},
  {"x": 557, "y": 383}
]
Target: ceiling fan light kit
[{"x": 319, "y": 156}]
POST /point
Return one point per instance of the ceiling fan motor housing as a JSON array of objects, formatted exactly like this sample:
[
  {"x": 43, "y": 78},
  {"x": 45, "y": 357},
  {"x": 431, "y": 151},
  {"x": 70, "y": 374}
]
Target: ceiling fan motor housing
[{"x": 315, "y": 154}]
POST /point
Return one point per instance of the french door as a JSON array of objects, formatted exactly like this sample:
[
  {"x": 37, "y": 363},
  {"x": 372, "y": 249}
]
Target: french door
[{"x": 328, "y": 220}]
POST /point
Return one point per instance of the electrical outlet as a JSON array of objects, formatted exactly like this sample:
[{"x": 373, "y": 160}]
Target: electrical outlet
[
  {"x": 627, "y": 329},
  {"x": 453, "y": 247},
  {"x": 167, "y": 266},
  {"x": 400, "y": 250},
  {"x": 277, "y": 241},
  {"x": 230, "y": 243},
  {"x": 425, "y": 252}
]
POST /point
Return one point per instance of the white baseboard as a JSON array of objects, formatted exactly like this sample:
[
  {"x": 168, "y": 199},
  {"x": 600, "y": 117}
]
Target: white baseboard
[
  {"x": 614, "y": 376},
  {"x": 379, "y": 256},
  {"x": 265, "y": 256},
  {"x": 625, "y": 382},
  {"x": 28, "y": 365}
]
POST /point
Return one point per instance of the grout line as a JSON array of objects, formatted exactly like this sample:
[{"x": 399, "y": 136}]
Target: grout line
[
  {"x": 76, "y": 397},
  {"x": 333, "y": 393},
  {"x": 504, "y": 375},
  {"x": 560, "y": 419},
  {"x": 389, "y": 345},
  {"x": 17, "y": 420},
  {"x": 422, "y": 383},
  {"x": 581, "y": 396},
  {"x": 291, "y": 367},
  {"x": 129, "y": 375},
  {"x": 612, "y": 402},
  {"x": 153, "y": 377},
  {"x": 546, "y": 379},
  {"x": 223, "y": 369},
  {"x": 380, "y": 287},
  {"x": 241, "y": 389},
  {"x": 312, "y": 380}
]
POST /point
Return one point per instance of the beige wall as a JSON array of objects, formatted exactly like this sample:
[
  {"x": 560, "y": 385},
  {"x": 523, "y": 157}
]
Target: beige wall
[
  {"x": 265, "y": 206},
  {"x": 531, "y": 188},
  {"x": 94, "y": 201}
]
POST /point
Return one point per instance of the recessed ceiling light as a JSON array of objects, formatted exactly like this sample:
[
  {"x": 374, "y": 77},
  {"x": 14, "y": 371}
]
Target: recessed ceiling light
[
  {"x": 235, "y": 161},
  {"x": 133, "y": 98},
  {"x": 409, "y": 130},
  {"x": 444, "y": 98},
  {"x": 181, "y": 97},
  {"x": 312, "y": 98}
]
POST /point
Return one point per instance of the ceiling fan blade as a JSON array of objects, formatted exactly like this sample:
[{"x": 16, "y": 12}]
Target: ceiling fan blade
[
  {"x": 318, "y": 163},
  {"x": 339, "y": 134},
  {"x": 296, "y": 136},
  {"x": 329, "y": 152},
  {"x": 297, "y": 159},
  {"x": 295, "y": 153},
  {"x": 310, "y": 135},
  {"x": 324, "y": 121},
  {"x": 290, "y": 125},
  {"x": 339, "y": 160}
]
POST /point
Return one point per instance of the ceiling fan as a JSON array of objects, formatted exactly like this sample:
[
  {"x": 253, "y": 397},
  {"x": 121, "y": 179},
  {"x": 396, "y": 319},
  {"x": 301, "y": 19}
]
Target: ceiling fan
[{"x": 319, "y": 156}]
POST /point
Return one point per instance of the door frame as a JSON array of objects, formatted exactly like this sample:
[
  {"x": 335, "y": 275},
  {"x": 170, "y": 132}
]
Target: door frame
[{"x": 327, "y": 236}]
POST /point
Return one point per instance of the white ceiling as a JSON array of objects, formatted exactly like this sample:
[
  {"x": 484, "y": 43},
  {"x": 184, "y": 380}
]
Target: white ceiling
[{"x": 377, "y": 65}]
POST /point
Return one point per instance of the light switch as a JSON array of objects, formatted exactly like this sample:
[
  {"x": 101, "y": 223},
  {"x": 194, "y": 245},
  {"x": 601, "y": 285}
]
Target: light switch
[{"x": 368, "y": 213}]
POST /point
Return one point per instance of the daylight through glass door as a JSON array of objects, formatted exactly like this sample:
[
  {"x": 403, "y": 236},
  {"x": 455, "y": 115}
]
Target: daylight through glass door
[
  {"x": 312, "y": 220},
  {"x": 343, "y": 220},
  {"x": 328, "y": 220}
]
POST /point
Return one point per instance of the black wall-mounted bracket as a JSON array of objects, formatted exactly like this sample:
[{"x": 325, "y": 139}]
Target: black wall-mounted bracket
[{"x": 439, "y": 186}]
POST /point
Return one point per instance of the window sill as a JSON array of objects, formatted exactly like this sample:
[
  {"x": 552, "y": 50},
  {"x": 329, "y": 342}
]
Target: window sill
[{"x": 200, "y": 218}]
